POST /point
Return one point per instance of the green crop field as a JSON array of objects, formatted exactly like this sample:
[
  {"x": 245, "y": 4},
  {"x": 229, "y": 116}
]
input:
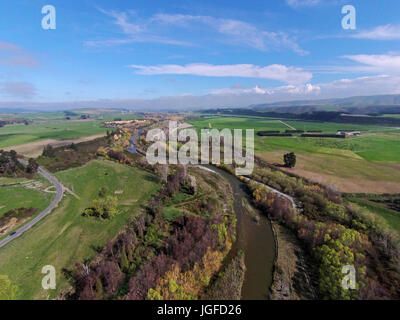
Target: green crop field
[
  {"x": 369, "y": 163},
  {"x": 376, "y": 143},
  {"x": 65, "y": 236},
  {"x": 12, "y": 135},
  {"x": 265, "y": 124}
]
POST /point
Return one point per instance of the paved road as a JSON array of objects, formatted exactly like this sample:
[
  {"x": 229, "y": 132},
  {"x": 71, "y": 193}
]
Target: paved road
[{"x": 59, "y": 193}]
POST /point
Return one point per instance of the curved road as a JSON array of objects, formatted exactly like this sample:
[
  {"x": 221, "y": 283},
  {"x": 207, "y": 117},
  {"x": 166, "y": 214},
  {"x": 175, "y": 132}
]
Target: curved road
[{"x": 59, "y": 194}]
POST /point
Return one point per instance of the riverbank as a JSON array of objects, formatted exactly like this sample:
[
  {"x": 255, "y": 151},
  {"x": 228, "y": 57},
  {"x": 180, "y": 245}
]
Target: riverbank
[
  {"x": 291, "y": 280},
  {"x": 229, "y": 283}
]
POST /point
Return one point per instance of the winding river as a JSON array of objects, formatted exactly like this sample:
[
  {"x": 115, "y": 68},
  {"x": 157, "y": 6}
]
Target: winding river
[{"x": 256, "y": 240}]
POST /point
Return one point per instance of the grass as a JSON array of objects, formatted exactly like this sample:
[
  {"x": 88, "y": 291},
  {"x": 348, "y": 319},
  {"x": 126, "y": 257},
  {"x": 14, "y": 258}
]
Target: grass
[
  {"x": 18, "y": 196},
  {"x": 13, "y": 197},
  {"x": 391, "y": 217},
  {"x": 12, "y": 135},
  {"x": 369, "y": 163},
  {"x": 4, "y": 181},
  {"x": 65, "y": 236},
  {"x": 171, "y": 213},
  {"x": 265, "y": 124},
  {"x": 372, "y": 145}
]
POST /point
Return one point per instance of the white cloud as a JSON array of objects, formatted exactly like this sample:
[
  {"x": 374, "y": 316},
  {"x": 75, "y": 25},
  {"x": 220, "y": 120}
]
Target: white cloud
[
  {"x": 15, "y": 89},
  {"x": 14, "y": 56},
  {"x": 135, "y": 33},
  {"x": 381, "y": 63},
  {"x": 239, "y": 32},
  {"x": 227, "y": 31},
  {"x": 386, "y": 32},
  {"x": 274, "y": 71},
  {"x": 288, "y": 90},
  {"x": 237, "y": 96},
  {"x": 371, "y": 85},
  {"x": 302, "y": 3}
]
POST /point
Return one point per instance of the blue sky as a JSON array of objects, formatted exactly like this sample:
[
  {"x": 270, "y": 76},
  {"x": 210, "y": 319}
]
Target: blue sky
[{"x": 195, "y": 53}]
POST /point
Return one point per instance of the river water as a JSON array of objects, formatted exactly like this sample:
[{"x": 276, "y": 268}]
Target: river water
[{"x": 256, "y": 240}]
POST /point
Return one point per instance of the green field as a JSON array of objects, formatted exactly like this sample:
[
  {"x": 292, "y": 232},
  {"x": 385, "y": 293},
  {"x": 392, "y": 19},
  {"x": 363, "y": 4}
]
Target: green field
[
  {"x": 265, "y": 124},
  {"x": 12, "y": 135},
  {"x": 65, "y": 236},
  {"x": 36, "y": 116},
  {"x": 13, "y": 197},
  {"x": 369, "y": 163},
  {"x": 390, "y": 216},
  {"x": 391, "y": 115},
  {"x": 60, "y": 115},
  {"x": 376, "y": 143}
]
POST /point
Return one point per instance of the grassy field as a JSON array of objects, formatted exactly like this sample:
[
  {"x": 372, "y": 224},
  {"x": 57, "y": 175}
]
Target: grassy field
[
  {"x": 265, "y": 124},
  {"x": 391, "y": 115},
  {"x": 12, "y": 135},
  {"x": 13, "y": 197},
  {"x": 391, "y": 217},
  {"x": 369, "y": 163},
  {"x": 5, "y": 181},
  {"x": 376, "y": 143},
  {"x": 95, "y": 114},
  {"x": 65, "y": 236}
]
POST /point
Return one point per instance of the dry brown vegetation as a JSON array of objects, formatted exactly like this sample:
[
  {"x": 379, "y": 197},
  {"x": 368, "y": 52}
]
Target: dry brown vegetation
[{"x": 350, "y": 175}]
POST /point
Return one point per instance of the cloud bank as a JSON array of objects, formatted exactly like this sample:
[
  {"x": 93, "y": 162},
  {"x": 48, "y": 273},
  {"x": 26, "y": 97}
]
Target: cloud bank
[{"x": 273, "y": 72}]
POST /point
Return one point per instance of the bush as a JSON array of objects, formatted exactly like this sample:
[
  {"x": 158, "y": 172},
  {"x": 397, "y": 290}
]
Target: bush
[{"x": 105, "y": 208}]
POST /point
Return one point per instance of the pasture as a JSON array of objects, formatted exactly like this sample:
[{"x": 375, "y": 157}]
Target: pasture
[
  {"x": 13, "y": 135},
  {"x": 65, "y": 236},
  {"x": 369, "y": 163}
]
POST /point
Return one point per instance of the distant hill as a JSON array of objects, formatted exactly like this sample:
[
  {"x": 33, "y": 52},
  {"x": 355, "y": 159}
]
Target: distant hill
[
  {"x": 355, "y": 105},
  {"x": 17, "y": 111}
]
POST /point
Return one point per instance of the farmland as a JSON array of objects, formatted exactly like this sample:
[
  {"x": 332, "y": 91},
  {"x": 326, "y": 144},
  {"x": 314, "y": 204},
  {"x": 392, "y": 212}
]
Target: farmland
[
  {"x": 65, "y": 236},
  {"x": 13, "y": 135},
  {"x": 369, "y": 163}
]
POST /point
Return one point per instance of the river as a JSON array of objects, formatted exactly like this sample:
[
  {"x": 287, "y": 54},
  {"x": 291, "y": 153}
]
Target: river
[{"x": 256, "y": 240}]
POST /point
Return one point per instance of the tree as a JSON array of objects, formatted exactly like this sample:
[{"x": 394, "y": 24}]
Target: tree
[
  {"x": 105, "y": 208},
  {"x": 124, "y": 263},
  {"x": 48, "y": 151},
  {"x": 32, "y": 166},
  {"x": 290, "y": 160},
  {"x": 7, "y": 290}
]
